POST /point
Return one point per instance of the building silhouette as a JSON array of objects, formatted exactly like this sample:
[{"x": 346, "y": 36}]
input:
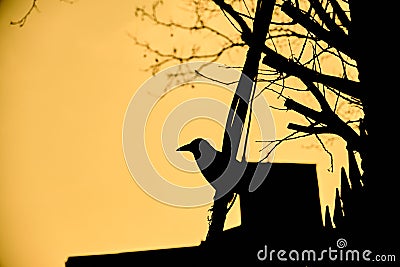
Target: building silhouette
[{"x": 283, "y": 213}]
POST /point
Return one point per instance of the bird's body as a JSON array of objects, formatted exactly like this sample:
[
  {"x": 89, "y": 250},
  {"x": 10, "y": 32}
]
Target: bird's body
[
  {"x": 227, "y": 176},
  {"x": 222, "y": 170}
]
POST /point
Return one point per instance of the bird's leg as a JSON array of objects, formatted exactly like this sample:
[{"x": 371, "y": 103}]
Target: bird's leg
[{"x": 218, "y": 216}]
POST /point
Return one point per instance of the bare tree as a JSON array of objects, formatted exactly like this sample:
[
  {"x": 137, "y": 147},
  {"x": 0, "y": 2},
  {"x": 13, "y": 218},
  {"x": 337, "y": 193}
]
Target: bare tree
[
  {"x": 302, "y": 42},
  {"x": 304, "y": 38}
]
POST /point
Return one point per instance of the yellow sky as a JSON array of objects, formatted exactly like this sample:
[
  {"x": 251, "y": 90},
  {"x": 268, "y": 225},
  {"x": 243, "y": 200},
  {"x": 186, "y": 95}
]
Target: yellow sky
[{"x": 66, "y": 79}]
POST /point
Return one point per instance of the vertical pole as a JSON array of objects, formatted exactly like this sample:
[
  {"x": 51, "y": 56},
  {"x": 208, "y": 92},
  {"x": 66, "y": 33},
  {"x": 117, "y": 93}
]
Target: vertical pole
[{"x": 240, "y": 104}]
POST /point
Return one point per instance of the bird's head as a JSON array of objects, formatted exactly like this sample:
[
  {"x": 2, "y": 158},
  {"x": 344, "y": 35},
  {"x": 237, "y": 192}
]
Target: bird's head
[{"x": 200, "y": 148}]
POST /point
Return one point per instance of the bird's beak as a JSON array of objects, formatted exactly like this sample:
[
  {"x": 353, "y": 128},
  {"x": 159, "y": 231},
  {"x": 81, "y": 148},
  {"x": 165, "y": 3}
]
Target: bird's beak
[{"x": 184, "y": 148}]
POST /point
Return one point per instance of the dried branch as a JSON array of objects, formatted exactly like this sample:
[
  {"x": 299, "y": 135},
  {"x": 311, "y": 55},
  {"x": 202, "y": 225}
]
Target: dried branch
[
  {"x": 340, "y": 13},
  {"x": 334, "y": 124},
  {"x": 225, "y": 7},
  {"x": 309, "y": 129},
  {"x": 171, "y": 57},
  {"x": 318, "y": 96},
  {"x": 281, "y": 32},
  {"x": 276, "y": 143},
  {"x": 325, "y": 18},
  {"x": 21, "y": 22},
  {"x": 283, "y": 23},
  {"x": 350, "y": 100},
  {"x": 317, "y": 116},
  {"x": 199, "y": 24},
  {"x": 333, "y": 53},
  {"x": 281, "y": 63},
  {"x": 327, "y": 151},
  {"x": 274, "y": 82},
  {"x": 213, "y": 79},
  {"x": 335, "y": 39},
  {"x": 283, "y": 139},
  {"x": 315, "y": 131}
]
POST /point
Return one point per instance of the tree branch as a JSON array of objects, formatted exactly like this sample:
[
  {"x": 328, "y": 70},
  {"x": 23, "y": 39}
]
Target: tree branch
[
  {"x": 21, "y": 22},
  {"x": 325, "y": 18},
  {"x": 276, "y": 143},
  {"x": 318, "y": 96},
  {"x": 340, "y": 13},
  {"x": 172, "y": 56},
  {"x": 281, "y": 63},
  {"x": 199, "y": 25},
  {"x": 225, "y": 7},
  {"x": 330, "y": 119},
  {"x": 317, "y": 116},
  {"x": 309, "y": 129},
  {"x": 338, "y": 40}
]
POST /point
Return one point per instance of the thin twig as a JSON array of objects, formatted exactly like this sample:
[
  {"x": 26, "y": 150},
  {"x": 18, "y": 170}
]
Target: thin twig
[{"x": 21, "y": 22}]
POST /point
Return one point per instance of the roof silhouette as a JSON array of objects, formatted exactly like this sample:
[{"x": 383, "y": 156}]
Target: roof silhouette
[{"x": 284, "y": 212}]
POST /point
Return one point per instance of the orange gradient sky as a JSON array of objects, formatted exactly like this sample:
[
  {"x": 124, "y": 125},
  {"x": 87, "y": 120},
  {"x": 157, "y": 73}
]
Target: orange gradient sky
[{"x": 66, "y": 79}]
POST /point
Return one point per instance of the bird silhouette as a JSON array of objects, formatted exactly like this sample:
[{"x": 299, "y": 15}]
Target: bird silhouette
[
  {"x": 223, "y": 171},
  {"x": 227, "y": 176}
]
